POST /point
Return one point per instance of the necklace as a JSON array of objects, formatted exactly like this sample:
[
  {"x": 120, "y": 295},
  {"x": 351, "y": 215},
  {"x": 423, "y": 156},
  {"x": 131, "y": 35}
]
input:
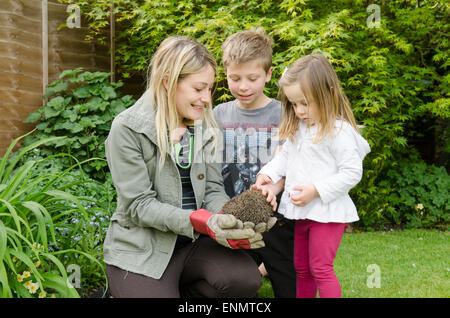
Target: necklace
[{"x": 177, "y": 147}]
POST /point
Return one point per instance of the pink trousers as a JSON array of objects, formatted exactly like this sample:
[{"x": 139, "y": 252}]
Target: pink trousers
[{"x": 315, "y": 247}]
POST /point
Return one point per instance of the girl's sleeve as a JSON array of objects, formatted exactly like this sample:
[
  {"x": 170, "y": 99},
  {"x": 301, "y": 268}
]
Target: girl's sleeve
[
  {"x": 276, "y": 168},
  {"x": 348, "y": 150}
]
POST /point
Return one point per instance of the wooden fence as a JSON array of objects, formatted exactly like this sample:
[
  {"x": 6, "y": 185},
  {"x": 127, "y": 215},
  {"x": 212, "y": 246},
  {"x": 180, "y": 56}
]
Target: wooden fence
[{"x": 22, "y": 71}]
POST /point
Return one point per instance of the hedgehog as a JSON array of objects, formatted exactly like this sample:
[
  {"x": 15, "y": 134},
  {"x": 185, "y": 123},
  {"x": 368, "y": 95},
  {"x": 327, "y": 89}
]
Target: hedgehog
[{"x": 249, "y": 206}]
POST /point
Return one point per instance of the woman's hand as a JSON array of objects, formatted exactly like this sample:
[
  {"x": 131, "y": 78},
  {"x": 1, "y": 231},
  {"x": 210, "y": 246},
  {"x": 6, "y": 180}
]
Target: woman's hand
[
  {"x": 226, "y": 230},
  {"x": 306, "y": 195}
]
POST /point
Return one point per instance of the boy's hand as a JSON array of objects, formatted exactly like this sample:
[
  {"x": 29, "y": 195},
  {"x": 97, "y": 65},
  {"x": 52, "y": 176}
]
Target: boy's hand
[{"x": 306, "y": 195}]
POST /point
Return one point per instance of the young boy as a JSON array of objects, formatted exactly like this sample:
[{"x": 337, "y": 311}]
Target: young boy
[{"x": 249, "y": 124}]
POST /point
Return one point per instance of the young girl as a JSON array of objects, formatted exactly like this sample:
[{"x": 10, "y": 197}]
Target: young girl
[
  {"x": 166, "y": 189},
  {"x": 321, "y": 161}
]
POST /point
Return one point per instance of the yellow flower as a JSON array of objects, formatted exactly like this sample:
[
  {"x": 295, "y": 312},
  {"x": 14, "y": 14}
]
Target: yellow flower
[
  {"x": 33, "y": 288},
  {"x": 42, "y": 294},
  {"x": 26, "y": 274},
  {"x": 19, "y": 278},
  {"x": 37, "y": 263},
  {"x": 28, "y": 283},
  {"x": 38, "y": 246}
]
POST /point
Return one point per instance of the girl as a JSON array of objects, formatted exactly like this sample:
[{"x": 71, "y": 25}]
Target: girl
[
  {"x": 321, "y": 161},
  {"x": 153, "y": 246}
]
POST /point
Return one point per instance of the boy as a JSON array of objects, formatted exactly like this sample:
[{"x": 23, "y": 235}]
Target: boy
[{"x": 249, "y": 124}]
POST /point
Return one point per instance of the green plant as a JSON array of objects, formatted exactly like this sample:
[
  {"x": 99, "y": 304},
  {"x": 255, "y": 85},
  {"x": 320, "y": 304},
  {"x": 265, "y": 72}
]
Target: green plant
[
  {"x": 31, "y": 208},
  {"x": 81, "y": 106},
  {"x": 395, "y": 75},
  {"x": 420, "y": 195}
]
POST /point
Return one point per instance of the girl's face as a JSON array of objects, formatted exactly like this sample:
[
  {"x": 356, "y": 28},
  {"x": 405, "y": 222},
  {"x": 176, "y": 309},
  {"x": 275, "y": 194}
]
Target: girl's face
[
  {"x": 305, "y": 110},
  {"x": 193, "y": 94}
]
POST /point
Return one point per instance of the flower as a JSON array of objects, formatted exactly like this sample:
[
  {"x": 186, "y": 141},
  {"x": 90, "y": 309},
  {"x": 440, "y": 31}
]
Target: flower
[
  {"x": 19, "y": 278},
  {"x": 28, "y": 283},
  {"x": 42, "y": 294},
  {"x": 26, "y": 274},
  {"x": 33, "y": 288},
  {"x": 14, "y": 259},
  {"x": 37, "y": 263},
  {"x": 419, "y": 206}
]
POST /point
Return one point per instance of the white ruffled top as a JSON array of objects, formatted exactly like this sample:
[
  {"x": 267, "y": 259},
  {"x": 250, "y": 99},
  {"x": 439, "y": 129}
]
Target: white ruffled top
[{"x": 333, "y": 166}]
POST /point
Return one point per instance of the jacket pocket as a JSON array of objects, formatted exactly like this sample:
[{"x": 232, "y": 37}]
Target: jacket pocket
[{"x": 130, "y": 240}]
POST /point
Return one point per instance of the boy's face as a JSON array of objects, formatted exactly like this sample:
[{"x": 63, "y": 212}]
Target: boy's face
[{"x": 246, "y": 82}]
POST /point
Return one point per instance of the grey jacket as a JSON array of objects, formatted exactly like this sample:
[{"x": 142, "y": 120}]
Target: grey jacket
[{"x": 144, "y": 227}]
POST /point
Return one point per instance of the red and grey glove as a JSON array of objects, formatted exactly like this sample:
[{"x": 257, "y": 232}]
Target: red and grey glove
[{"x": 225, "y": 230}]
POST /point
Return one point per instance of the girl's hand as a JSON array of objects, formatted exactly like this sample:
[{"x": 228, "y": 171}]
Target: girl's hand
[
  {"x": 271, "y": 197},
  {"x": 261, "y": 180},
  {"x": 267, "y": 192},
  {"x": 307, "y": 194}
]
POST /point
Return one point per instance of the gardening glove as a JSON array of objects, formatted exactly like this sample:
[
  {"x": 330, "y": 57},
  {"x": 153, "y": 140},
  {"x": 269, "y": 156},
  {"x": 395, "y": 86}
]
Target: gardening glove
[
  {"x": 225, "y": 230},
  {"x": 262, "y": 226}
]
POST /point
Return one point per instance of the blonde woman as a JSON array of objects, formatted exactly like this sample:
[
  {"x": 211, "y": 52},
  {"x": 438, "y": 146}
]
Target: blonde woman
[
  {"x": 321, "y": 161},
  {"x": 163, "y": 241}
]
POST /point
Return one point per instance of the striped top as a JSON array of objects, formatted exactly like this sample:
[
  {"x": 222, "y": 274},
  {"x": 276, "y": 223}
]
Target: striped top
[{"x": 188, "y": 199}]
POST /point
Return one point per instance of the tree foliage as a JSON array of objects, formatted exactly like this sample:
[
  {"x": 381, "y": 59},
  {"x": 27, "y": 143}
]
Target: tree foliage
[{"x": 395, "y": 75}]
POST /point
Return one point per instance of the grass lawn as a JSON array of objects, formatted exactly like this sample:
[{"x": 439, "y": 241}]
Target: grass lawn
[{"x": 409, "y": 263}]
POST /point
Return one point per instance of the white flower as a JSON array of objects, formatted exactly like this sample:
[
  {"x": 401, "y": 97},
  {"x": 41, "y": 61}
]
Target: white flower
[
  {"x": 419, "y": 206},
  {"x": 33, "y": 287}
]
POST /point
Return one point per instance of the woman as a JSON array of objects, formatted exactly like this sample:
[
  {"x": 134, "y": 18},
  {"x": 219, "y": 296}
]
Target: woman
[{"x": 166, "y": 189}]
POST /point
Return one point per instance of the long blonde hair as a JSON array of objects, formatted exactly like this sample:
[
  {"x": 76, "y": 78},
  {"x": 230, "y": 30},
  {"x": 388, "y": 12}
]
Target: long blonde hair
[
  {"x": 315, "y": 76},
  {"x": 176, "y": 58}
]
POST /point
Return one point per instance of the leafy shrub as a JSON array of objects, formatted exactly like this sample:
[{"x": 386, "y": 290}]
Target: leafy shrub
[
  {"x": 420, "y": 195},
  {"x": 85, "y": 232},
  {"x": 32, "y": 207},
  {"x": 81, "y": 106},
  {"x": 395, "y": 75}
]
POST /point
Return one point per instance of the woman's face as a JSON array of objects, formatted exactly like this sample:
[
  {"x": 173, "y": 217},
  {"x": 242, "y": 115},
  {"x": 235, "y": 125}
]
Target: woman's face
[{"x": 193, "y": 94}]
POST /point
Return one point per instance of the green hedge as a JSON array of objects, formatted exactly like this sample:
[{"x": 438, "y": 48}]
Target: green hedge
[{"x": 395, "y": 75}]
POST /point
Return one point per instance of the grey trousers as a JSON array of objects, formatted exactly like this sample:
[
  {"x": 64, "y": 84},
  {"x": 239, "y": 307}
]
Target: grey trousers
[{"x": 200, "y": 269}]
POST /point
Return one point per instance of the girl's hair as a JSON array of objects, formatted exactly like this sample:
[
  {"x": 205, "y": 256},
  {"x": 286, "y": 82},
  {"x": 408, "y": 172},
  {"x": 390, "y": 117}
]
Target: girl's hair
[
  {"x": 176, "y": 58},
  {"x": 315, "y": 76}
]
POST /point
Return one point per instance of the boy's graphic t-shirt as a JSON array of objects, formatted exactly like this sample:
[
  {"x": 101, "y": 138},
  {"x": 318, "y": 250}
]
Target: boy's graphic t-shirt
[{"x": 249, "y": 142}]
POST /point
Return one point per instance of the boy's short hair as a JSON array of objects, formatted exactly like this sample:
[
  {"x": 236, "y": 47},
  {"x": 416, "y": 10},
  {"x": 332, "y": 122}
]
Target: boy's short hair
[{"x": 249, "y": 45}]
